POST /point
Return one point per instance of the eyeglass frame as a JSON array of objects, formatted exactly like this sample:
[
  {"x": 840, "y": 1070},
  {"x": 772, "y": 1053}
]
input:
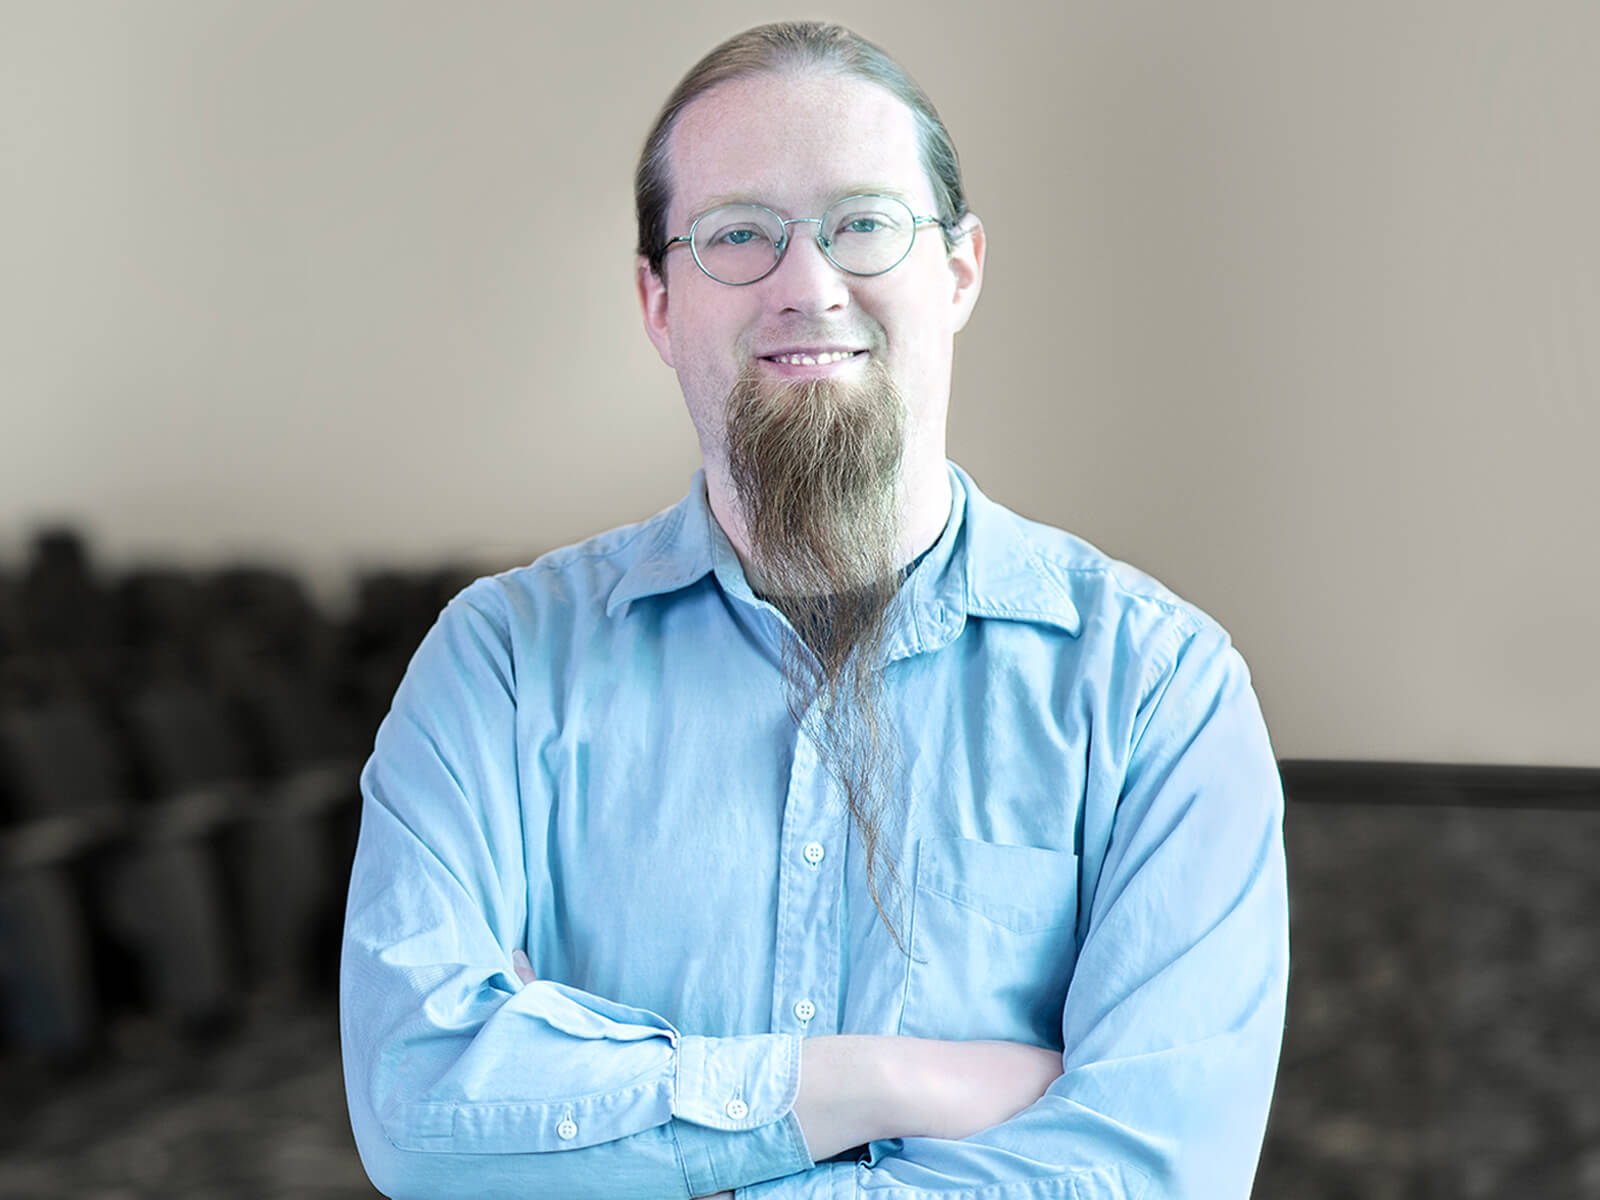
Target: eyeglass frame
[{"x": 822, "y": 243}]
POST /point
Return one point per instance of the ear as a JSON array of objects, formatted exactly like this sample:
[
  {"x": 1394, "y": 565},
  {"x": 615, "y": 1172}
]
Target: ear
[
  {"x": 653, "y": 307},
  {"x": 966, "y": 268}
]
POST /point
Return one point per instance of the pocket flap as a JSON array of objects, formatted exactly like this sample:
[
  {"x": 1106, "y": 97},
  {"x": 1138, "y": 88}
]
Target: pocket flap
[{"x": 1024, "y": 888}]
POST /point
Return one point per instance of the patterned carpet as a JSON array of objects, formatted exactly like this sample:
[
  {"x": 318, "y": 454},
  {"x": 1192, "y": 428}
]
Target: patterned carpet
[
  {"x": 1443, "y": 1041},
  {"x": 1444, "y": 1009}
]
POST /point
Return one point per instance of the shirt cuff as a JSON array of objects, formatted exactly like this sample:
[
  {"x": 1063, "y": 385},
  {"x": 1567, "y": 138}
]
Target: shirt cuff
[
  {"x": 829, "y": 1181},
  {"x": 734, "y": 1103},
  {"x": 736, "y": 1083},
  {"x": 714, "y": 1161}
]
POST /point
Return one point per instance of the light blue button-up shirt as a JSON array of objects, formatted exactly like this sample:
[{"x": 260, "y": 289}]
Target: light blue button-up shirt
[{"x": 592, "y": 759}]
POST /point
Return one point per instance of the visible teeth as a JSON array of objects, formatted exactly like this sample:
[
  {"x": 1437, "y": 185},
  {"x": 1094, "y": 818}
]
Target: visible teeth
[{"x": 813, "y": 360}]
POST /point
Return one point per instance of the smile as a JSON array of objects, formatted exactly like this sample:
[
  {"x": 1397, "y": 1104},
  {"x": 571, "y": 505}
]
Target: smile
[{"x": 822, "y": 359}]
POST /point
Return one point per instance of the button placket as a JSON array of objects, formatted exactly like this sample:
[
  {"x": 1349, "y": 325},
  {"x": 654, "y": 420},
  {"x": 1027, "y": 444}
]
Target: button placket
[{"x": 806, "y": 964}]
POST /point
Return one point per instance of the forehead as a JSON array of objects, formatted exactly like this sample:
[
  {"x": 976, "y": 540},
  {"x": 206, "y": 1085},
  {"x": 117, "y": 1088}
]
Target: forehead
[{"x": 795, "y": 143}]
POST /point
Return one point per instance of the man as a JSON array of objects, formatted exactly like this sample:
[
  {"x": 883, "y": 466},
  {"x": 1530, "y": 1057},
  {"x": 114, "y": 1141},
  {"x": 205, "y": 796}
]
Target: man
[{"x": 835, "y": 832}]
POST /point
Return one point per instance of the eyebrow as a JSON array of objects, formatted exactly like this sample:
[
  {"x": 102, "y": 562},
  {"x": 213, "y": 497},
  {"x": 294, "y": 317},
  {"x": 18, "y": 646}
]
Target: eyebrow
[{"x": 866, "y": 189}]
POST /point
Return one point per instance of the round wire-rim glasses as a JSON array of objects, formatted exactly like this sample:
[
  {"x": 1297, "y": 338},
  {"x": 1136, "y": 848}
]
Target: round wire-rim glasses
[{"x": 739, "y": 238}]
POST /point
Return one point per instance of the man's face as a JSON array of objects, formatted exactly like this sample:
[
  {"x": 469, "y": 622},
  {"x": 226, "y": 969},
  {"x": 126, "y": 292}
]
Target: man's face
[{"x": 797, "y": 143}]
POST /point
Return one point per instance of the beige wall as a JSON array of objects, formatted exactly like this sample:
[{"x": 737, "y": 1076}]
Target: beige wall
[{"x": 1296, "y": 306}]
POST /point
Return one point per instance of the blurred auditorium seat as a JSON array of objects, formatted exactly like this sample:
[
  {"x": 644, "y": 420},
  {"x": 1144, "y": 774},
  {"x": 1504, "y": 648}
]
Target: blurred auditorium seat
[
  {"x": 62, "y": 605},
  {"x": 179, "y": 784},
  {"x": 130, "y": 905},
  {"x": 49, "y": 822},
  {"x": 196, "y": 781}
]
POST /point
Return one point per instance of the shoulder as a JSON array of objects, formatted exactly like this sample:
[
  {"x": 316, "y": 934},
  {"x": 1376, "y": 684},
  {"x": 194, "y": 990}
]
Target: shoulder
[
  {"x": 1151, "y": 650},
  {"x": 1108, "y": 619},
  {"x": 1028, "y": 569},
  {"x": 1104, "y": 587},
  {"x": 574, "y": 582}
]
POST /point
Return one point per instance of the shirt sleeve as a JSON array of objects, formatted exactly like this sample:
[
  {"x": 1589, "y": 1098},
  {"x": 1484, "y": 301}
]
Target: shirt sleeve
[
  {"x": 461, "y": 1080},
  {"x": 1174, "y": 1017}
]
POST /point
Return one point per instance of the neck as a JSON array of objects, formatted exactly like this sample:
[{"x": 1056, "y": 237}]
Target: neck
[{"x": 924, "y": 509}]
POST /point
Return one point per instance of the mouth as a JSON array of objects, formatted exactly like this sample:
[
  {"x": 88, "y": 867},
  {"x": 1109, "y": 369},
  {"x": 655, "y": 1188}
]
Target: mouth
[{"x": 812, "y": 361}]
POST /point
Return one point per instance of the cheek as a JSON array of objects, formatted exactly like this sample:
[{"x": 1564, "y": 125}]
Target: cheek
[
  {"x": 707, "y": 333},
  {"x": 920, "y": 337},
  {"x": 923, "y": 307},
  {"x": 919, "y": 327},
  {"x": 703, "y": 356}
]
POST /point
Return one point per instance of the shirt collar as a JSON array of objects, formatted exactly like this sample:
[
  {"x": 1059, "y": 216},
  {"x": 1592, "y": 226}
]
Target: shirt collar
[
  {"x": 986, "y": 563},
  {"x": 1008, "y": 575},
  {"x": 674, "y": 549}
]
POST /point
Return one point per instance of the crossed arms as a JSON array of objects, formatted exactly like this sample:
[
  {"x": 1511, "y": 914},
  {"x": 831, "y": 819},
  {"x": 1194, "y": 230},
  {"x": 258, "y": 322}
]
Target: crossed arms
[
  {"x": 860, "y": 1088},
  {"x": 464, "y": 1080}
]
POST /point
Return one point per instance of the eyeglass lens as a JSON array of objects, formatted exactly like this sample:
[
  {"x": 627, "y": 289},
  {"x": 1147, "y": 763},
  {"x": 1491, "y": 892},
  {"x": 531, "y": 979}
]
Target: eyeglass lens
[{"x": 864, "y": 235}]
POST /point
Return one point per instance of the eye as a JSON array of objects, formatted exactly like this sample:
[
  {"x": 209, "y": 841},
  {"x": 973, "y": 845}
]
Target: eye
[
  {"x": 738, "y": 235},
  {"x": 865, "y": 224}
]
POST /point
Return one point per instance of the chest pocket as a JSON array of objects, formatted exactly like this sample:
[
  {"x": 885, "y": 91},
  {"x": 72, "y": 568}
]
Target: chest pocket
[{"x": 992, "y": 941}]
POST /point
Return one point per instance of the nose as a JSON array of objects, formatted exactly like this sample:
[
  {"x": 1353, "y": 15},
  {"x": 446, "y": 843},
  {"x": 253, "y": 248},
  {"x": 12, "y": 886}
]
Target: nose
[{"x": 805, "y": 281}]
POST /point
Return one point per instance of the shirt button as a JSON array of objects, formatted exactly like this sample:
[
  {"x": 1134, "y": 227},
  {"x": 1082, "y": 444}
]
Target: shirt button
[
  {"x": 804, "y": 1009},
  {"x": 813, "y": 852},
  {"x": 567, "y": 1130},
  {"x": 738, "y": 1109}
]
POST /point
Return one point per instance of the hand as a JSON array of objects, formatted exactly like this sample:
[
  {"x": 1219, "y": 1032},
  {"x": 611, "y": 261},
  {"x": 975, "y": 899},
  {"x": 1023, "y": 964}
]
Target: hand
[{"x": 523, "y": 968}]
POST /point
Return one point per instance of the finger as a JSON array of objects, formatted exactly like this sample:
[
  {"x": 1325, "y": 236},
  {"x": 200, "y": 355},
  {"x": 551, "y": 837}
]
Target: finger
[{"x": 523, "y": 968}]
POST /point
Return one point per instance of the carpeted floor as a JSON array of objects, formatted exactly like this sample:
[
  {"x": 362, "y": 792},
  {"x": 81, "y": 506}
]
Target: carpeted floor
[{"x": 1443, "y": 1041}]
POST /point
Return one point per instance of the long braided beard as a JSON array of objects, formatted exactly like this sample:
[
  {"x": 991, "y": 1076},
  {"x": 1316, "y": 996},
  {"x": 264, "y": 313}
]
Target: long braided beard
[{"x": 815, "y": 467}]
